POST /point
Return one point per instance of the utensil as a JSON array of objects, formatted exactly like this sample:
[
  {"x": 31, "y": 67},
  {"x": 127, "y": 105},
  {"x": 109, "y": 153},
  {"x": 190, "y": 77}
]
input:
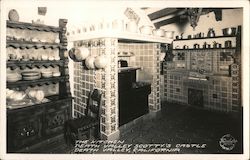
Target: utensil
[
  {"x": 89, "y": 62},
  {"x": 229, "y": 31},
  {"x": 46, "y": 74},
  {"x": 56, "y": 74},
  {"x": 159, "y": 32},
  {"x": 211, "y": 32},
  {"x": 148, "y": 30},
  {"x": 228, "y": 44},
  {"x": 169, "y": 34},
  {"x": 196, "y": 46},
  {"x": 132, "y": 26},
  {"x": 31, "y": 75},
  {"x": 13, "y": 77},
  {"x": 100, "y": 62},
  {"x": 13, "y": 15}
]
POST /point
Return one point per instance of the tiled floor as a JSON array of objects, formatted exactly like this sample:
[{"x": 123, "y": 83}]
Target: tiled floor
[
  {"x": 181, "y": 124},
  {"x": 176, "y": 124}
]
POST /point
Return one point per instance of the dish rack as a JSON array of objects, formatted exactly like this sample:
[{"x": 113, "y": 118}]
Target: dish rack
[{"x": 34, "y": 126}]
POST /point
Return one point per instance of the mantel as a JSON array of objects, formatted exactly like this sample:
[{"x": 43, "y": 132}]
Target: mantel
[{"x": 126, "y": 37}]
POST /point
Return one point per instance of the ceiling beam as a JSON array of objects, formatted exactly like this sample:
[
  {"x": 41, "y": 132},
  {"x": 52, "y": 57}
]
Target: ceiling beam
[
  {"x": 162, "y": 13},
  {"x": 167, "y": 21}
]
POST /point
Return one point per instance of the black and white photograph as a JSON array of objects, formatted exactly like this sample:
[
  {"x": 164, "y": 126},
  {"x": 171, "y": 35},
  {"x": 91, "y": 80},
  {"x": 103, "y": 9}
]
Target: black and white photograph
[{"x": 124, "y": 79}]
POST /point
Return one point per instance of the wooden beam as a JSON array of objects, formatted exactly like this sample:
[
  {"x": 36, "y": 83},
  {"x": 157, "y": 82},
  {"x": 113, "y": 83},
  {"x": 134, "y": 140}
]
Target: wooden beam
[
  {"x": 167, "y": 21},
  {"x": 162, "y": 13}
]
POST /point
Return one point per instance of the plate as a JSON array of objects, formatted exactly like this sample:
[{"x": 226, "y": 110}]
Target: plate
[
  {"x": 29, "y": 78},
  {"x": 30, "y": 73}
]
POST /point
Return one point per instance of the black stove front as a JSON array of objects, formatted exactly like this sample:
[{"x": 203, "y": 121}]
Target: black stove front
[{"x": 195, "y": 97}]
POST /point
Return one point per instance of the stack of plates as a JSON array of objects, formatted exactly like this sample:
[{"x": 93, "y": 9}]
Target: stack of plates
[
  {"x": 56, "y": 74},
  {"x": 13, "y": 77},
  {"x": 47, "y": 74},
  {"x": 31, "y": 75}
]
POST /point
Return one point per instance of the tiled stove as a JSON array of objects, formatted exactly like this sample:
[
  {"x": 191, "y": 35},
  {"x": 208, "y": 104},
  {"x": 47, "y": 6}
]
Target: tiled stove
[{"x": 143, "y": 52}]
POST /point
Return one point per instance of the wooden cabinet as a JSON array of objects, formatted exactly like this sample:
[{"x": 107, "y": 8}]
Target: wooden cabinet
[{"x": 28, "y": 127}]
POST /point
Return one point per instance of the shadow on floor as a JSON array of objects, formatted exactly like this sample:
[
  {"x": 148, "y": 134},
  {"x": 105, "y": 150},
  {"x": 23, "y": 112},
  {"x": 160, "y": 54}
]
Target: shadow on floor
[{"x": 179, "y": 124}]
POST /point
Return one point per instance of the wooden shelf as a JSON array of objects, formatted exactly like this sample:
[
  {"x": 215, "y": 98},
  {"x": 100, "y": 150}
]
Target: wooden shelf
[
  {"x": 53, "y": 101},
  {"x": 186, "y": 39},
  {"x": 203, "y": 49},
  {"x": 28, "y": 44},
  {"x": 31, "y": 26},
  {"x": 41, "y": 81},
  {"x": 124, "y": 37},
  {"x": 13, "y": 64},
  {"x": 31, "y": 63}
]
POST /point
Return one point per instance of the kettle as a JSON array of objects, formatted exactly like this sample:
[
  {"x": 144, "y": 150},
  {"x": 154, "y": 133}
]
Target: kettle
[{"x": 211, "y": 32}]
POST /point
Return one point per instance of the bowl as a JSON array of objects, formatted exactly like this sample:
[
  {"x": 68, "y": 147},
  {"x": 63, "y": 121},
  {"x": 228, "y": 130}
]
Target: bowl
[
  {"x": 170, "y": 34},
  {"x": 229, "y": 31},
  {"x": 132, "y": 26},
  {"x": 56, "y": 74},
  {"x": 148, "y": 30},
  {"x": 47, "y": 74},
  {"x": 159, "y": 32}
]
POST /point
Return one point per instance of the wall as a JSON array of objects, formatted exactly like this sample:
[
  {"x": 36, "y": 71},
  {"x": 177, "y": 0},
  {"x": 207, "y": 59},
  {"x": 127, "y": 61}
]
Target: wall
[
  {"x": 146, "y": 56},
  {"x": 105, "y": 80},
  {"x": 221, "y": 90},
  {"x": 230, "y": 18}
]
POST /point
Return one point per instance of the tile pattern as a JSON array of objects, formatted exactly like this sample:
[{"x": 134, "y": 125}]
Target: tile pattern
[
  {"x": 147, "y": 56},
  {"x": 220, "y": 92},
  {"x": 182, "y": 124},
  {"x": 104, "y": 80}
]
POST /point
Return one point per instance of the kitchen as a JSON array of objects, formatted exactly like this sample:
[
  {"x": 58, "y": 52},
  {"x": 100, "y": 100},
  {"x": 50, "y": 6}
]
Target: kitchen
[{"x": 126, "y": 67}]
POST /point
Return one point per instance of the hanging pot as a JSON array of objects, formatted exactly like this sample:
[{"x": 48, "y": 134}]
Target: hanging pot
[
  {"x": 100, "y": 62},
  {"x": 81, "y": 53},
  {"x": 72, "y": 54},
  {"x": 89, "y": 62}
]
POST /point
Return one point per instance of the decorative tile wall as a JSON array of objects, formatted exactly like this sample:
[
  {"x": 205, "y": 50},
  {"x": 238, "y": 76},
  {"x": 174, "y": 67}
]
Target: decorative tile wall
[
  {"x": 104, "y": 80},
  {"x": 220, "y": 92},
  {"x": 147, "y": 56}
]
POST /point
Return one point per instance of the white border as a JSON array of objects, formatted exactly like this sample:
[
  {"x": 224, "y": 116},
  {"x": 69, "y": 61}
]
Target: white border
[{"x": 159, "y": 4}]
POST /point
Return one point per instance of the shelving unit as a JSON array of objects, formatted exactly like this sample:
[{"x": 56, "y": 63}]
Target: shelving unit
[
  {"x": 187, "y": 39},
  {"x": 40, "y": 82},
  {"x": 30, "y": 126},
  {"x": 190, "y": 49},
  {"x": 29, "y": 45}
]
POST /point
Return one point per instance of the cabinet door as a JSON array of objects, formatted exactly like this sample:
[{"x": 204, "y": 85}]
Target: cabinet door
[
  {"x": 55, "y": 118},
  {"x": 24, "y": 133}
]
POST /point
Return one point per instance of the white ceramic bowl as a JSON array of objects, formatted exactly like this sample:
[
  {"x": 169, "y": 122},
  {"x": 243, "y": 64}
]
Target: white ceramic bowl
[
  {"x": 169, "y": 34},
  {"x": 159, "y": 32},
  {"x": 148, "y": 30},
  {"x": 56, "y": 74}
]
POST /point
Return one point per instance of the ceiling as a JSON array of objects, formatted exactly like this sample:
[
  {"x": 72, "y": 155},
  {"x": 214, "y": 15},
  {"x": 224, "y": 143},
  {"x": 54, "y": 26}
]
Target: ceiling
[{"x": 164, "y": 16}]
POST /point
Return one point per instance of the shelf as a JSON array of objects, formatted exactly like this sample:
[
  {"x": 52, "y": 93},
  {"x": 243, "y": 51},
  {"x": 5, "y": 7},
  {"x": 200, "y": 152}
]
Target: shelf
[
  {"x": 124, "y": 37},
  {"x": 186, "y": 39},
  {"x": 28, "y": 45},
  {"x": 41, "y": 81},
  {"x": 31, "y": 63},
  {"x": 203, "y": 49},
  {"x": 127, "y": 69},
  {"x": 52, "y": 102},
  {"x": 31, "y": 26}
]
